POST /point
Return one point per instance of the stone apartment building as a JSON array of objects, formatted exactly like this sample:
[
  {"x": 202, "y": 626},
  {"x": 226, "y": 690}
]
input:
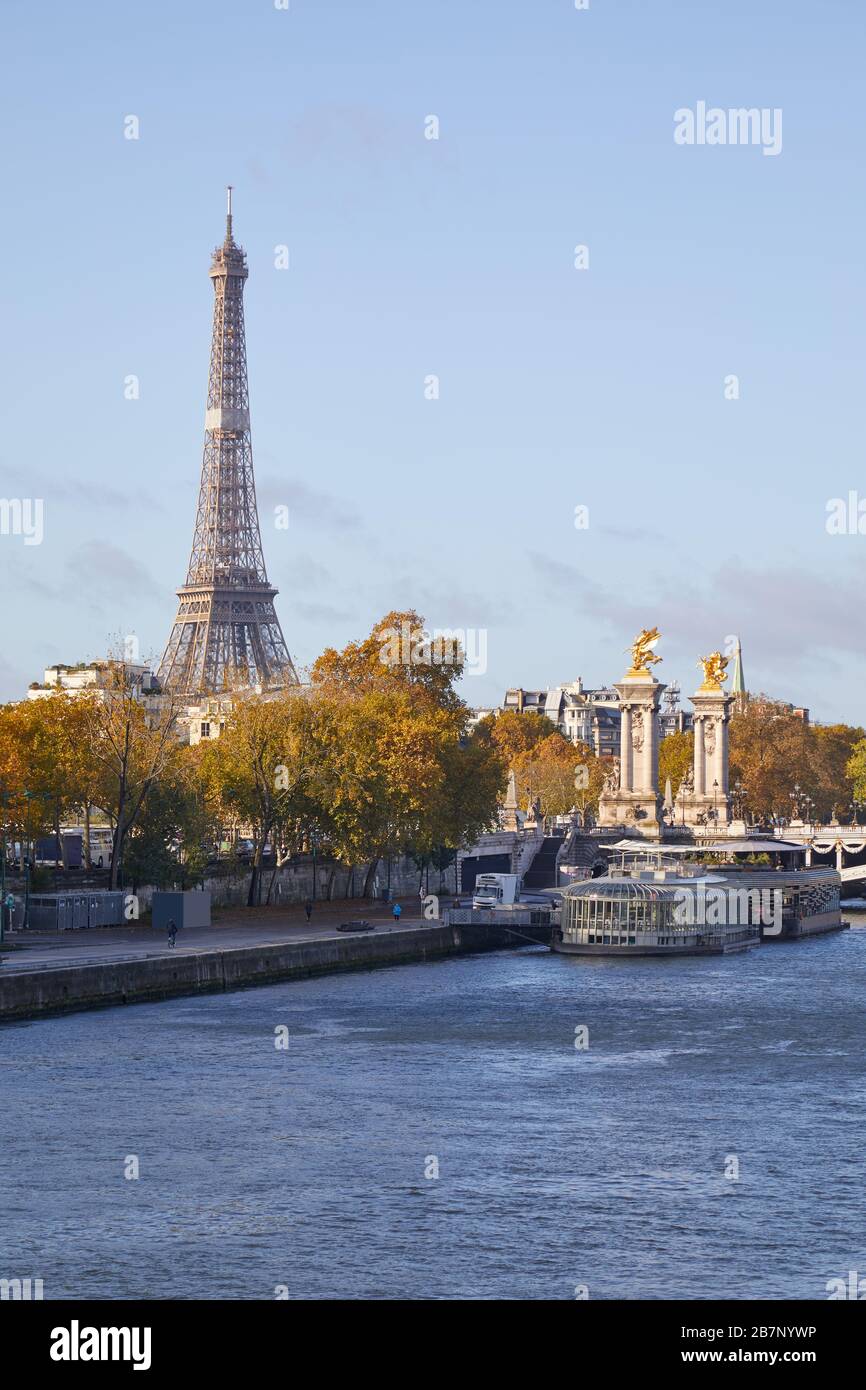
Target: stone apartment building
[{"x": 590, "y": 716}]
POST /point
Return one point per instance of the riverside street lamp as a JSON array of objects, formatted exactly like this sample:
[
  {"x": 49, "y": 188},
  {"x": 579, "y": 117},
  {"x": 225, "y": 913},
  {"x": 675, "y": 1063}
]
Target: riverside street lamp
[{"x": 738, "y": 799}]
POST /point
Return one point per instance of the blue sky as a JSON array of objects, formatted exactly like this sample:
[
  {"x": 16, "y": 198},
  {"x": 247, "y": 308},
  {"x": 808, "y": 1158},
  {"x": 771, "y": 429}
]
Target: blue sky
[{"x": 408, "y": 257}]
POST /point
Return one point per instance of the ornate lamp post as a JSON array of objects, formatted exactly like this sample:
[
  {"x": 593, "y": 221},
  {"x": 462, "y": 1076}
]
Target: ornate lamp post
[{"x": 738, "y": 799}]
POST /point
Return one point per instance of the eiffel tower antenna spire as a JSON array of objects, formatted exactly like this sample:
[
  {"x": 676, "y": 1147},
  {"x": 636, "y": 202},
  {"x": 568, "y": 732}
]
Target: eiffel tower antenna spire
[{"x": 226, "y": 634}]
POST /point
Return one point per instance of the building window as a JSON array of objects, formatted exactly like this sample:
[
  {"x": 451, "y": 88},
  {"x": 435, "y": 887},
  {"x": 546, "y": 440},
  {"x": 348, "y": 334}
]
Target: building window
[{"x": 205, "y": 730}]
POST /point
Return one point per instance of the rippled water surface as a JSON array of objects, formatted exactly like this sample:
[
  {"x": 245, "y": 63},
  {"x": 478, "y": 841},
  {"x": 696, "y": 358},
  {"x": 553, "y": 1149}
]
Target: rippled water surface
[{"x": 305, "y": 1167}]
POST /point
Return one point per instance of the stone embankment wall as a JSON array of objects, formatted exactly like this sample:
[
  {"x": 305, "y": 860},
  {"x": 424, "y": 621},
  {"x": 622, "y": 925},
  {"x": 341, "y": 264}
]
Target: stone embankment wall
[
  {"x": 294, "y": 883},
  {"x": 32, "y": 993}
]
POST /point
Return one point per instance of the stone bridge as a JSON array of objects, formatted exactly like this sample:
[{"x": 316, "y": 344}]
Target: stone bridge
[{"x": 837, "y": 840}]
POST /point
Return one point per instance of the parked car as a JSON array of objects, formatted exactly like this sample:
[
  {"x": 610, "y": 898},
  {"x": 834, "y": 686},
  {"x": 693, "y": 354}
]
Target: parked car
[{"x": 245, "y": 849}]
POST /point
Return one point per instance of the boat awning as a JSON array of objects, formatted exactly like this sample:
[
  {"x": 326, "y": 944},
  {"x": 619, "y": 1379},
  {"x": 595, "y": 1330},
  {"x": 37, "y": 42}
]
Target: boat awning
[
  {"x": 744, "y": 845},
  {"x": 752, "y": 846},
  {"x": 651, "y": 847}
]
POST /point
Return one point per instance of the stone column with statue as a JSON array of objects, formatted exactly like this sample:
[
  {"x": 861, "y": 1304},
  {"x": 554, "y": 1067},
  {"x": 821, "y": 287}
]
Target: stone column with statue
[
  {"x": 509, "y": 814},
  {"x": 704, "y": 798},
  {"x": 634, "y": 801}
]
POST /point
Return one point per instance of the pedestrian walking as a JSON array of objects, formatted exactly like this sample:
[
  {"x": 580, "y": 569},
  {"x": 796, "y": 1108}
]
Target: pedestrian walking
[
  {"x": 308, "y": 908},
  {"x": 172, "y": 933},
  {"x": 397, "y": 910}
]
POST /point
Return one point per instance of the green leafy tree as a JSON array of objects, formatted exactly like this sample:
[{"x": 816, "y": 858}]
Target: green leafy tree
[
  {"x": 548, "y": 771},
  {"x": 170, "y": 841},
  {"x": 856, "y": 769},
  {"x": 516, "y": 732},
  {"x": 261, "y": 771},
  {"x": 399, "y": 768},
  {"x": 676, "y": 756},
  {"x": 833, "y": 747},
  {"x": 133, "y": 746}
]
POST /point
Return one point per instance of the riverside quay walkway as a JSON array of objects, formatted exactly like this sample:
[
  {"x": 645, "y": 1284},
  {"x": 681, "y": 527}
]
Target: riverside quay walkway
[{"x": 44, "y": 973}]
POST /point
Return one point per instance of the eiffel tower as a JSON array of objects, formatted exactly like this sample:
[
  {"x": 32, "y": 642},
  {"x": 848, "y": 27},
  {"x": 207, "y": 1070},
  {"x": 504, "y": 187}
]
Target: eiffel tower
[{"x": 226, "y": 634}]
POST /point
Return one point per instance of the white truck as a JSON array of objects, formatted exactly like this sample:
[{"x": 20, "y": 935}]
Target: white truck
[{"x": 496, "y": 890}]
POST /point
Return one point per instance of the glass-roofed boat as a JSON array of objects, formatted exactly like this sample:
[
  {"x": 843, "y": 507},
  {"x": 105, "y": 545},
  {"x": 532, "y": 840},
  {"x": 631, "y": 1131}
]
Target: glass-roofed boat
[{"x": 662, "y": 900}]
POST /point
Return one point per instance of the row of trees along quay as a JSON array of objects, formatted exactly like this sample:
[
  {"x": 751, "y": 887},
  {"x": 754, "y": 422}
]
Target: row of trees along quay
[{"x": 369, "y": 760}]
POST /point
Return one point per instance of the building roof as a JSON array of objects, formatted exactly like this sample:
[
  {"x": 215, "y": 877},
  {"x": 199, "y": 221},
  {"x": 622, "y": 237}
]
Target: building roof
[
  {"x": 624, "y": 888},
  {"x": 620, "y": 888}
]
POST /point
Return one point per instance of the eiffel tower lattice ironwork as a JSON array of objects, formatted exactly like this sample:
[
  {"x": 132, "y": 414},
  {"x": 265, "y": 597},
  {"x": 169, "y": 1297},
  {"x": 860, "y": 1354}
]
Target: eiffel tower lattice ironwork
[{"x": 226, "y": 634}]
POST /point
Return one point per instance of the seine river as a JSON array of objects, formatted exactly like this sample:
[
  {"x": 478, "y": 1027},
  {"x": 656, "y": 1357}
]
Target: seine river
[{"x": 310, "y": 1169}]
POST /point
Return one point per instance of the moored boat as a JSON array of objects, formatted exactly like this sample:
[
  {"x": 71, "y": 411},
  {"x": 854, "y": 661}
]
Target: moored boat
[{"x": 649, "y": 907}]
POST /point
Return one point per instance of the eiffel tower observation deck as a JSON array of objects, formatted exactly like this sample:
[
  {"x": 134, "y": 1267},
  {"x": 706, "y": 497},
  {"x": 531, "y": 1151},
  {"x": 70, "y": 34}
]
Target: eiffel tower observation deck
[{"x": 227, "y": 635}]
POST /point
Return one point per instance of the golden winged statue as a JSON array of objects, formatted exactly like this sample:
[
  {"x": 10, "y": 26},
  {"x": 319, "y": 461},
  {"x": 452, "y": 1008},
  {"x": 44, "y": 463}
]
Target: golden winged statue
[
  {"x": 642, "y": 656},
  {"x": 715, "y": 670}
]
